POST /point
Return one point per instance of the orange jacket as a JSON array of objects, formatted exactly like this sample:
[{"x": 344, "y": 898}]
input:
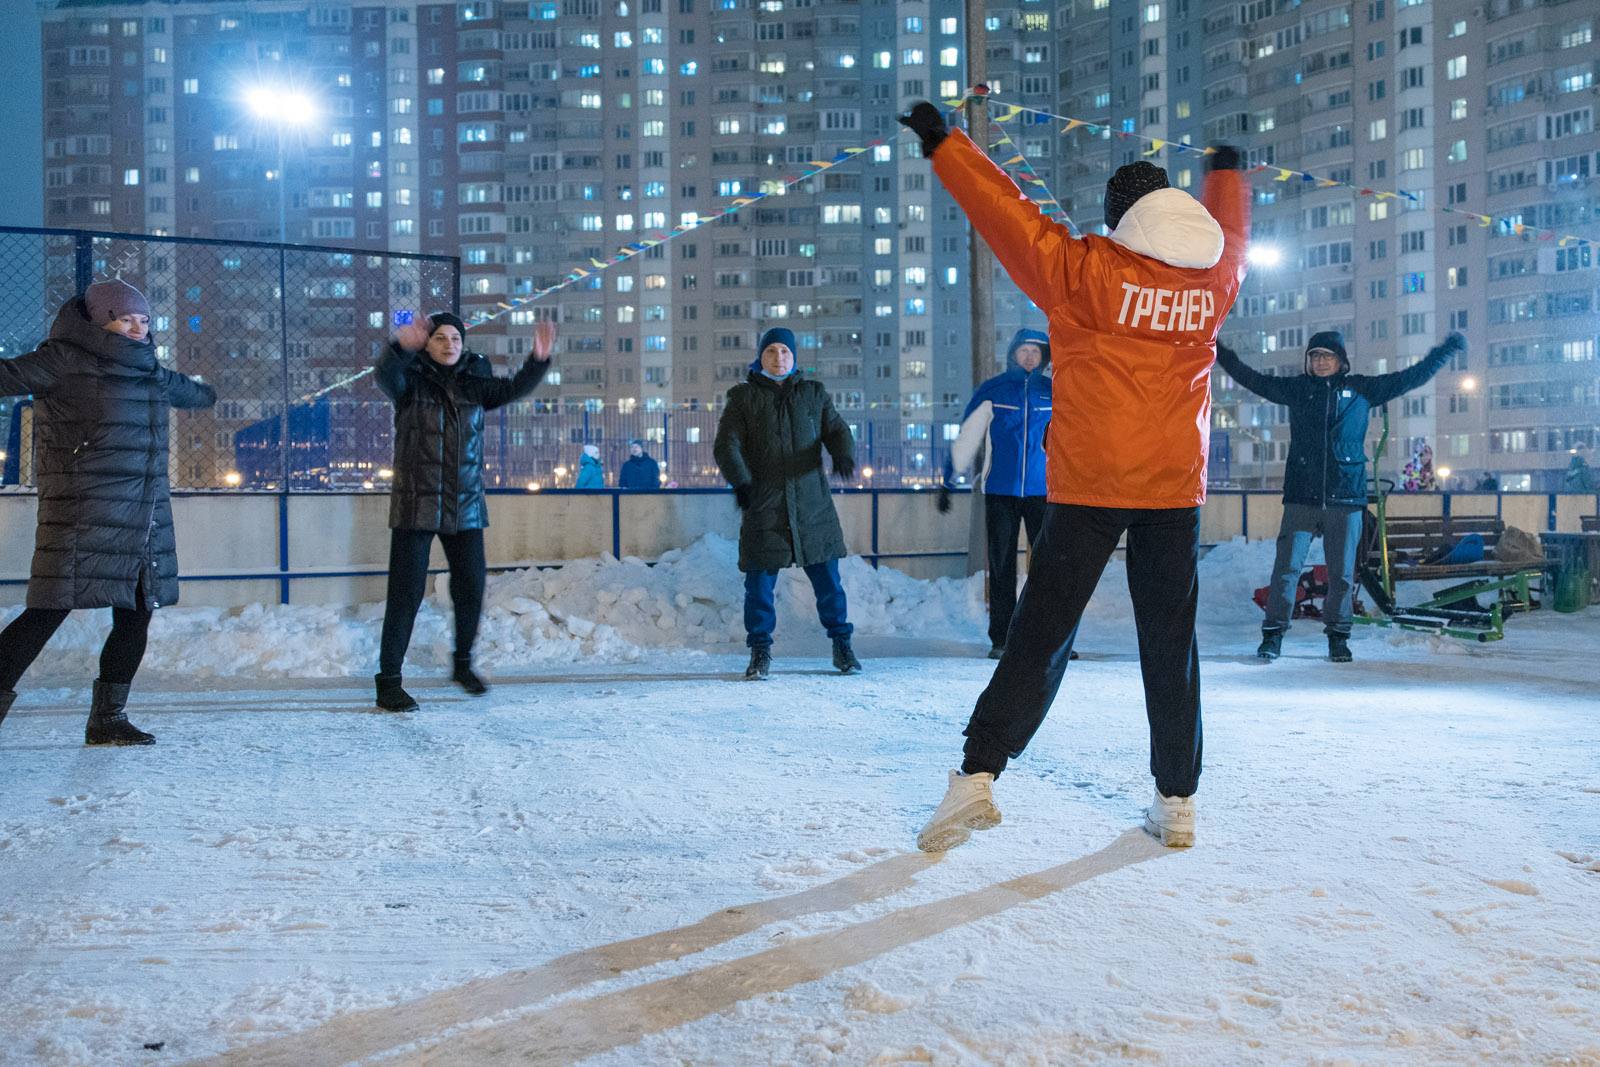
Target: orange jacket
[{"x": 1133, "y": 326}]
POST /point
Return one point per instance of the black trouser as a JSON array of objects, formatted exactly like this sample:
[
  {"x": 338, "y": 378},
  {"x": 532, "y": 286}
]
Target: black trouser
[
  {"x": 1068, "y": 557},
  {"x": 408, "y": 583},
  {"x": 1002, "y": 518},
  {"x": 25, "y": 638}
]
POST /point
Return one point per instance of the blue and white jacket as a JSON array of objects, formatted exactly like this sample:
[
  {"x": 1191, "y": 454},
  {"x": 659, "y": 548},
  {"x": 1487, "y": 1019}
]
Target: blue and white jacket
[{"x": 1009, "y": 415}]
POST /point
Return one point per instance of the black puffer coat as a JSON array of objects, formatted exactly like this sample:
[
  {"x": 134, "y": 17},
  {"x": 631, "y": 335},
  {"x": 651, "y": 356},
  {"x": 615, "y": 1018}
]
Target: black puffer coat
[
  {"x": 438, "y": 435},
  {"x": 771, "y": 438},
  {"x": 100, "y": 406},
  {"x": 1328, "y": 421}
]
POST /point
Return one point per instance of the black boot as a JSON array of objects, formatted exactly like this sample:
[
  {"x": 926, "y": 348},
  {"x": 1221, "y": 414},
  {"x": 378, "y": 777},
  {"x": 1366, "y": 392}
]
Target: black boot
[
  {"x": 1271, "y": 646},
  {"x": 390, "y": 696},
  {"x": 760, "y": 668},
  {"x": 844, "y": 659},
  {"x": 108, "y": 723},
  {"x": 7, "y": 698},
  {"x": 1339, "y": 648},
  {"x": 468, "y": 679}
]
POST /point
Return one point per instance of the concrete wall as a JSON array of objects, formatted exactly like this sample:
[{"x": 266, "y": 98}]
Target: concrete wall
[{"x": 230, "y": 545}]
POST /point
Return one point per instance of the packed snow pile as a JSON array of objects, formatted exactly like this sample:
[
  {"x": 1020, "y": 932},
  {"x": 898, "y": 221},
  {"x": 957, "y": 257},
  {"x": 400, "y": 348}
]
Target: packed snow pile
[{"x": 606, "y": 610}]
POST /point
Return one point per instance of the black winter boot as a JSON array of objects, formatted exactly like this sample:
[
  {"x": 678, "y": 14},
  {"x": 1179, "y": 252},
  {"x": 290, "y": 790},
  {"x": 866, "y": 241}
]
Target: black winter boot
[
  {"x": 468, "y": 679},
  {"x": 760, "y": 668},
  {"x": 1271, "y": 646},
  {"x": 7, "y": 698},
  {"x": 108, "y": 723},
  {"x": 390, "y": 696},
  {"x": 844, "y": 658},
  {"x": 1339, "y": 648}
]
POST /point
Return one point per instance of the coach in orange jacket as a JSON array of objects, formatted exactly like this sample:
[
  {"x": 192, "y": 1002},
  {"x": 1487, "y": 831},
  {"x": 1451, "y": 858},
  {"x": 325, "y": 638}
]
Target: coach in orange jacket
[{"x": 1133, "y": 329}]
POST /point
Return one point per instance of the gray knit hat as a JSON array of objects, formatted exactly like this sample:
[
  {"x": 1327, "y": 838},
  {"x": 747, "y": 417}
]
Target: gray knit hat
[{"x": 112, "y": 300}]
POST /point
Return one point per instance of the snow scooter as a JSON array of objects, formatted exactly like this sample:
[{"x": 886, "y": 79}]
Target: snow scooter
[{"x": 1452, "y": 612}]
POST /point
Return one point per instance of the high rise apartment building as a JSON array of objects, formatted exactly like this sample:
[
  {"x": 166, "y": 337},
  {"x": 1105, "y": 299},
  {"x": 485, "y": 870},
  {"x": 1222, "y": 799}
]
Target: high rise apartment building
[
  {"x": 1485, "y": 107},
  {"x": 534, "y": 138}
]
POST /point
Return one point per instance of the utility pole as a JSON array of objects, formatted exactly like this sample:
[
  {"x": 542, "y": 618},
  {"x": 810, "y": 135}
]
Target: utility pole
[{"x": 980, "y": 265}]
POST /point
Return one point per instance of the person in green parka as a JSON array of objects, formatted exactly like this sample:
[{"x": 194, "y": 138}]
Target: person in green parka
[{"x": 769, "y": 447}]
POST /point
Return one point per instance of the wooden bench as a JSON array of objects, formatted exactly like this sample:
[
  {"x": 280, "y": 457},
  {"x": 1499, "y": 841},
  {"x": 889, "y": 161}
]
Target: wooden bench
[{"x": 1413, "y": 539}]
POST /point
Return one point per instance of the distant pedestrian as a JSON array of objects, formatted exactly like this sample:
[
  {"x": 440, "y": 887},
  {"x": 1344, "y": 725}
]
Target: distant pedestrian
[
  {"x": 1580, "y": 476},
  {"x": 105, "y": 537},
  {"x": 640, "y": 470},
  {"x": 440, "y": 390},
  {"x": 590, "y": 474},
  {"x": 1006, "y": 420},
  {"x": 1419, "y": 475},
  {"x": 1325, "y": 478},
  {"x": 769, "y": 446}
]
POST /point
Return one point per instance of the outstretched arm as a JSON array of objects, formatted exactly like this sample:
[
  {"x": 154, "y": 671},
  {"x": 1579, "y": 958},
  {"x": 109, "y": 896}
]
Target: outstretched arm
[
  {"x": 1265, "y": 386},
  {"x": 186, "y": 392},
  {"x": 1385, "y": 387},
  {"x": 32, "y": 373}
]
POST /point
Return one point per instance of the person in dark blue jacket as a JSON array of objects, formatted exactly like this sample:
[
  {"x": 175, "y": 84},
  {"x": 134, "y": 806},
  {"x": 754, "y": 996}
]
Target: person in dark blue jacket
[
  {"x": 640, "y": 470},
  {"x": 1007, "y": 418},
  {"x": 1325, "y": 480}
]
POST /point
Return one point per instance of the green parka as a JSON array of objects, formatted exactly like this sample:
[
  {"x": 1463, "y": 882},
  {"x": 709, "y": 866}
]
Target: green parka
[{"x": 771, "y": 438}]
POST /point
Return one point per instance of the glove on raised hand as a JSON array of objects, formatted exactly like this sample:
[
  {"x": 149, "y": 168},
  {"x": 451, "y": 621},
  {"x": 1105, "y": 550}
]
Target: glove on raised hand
[
  {"x": 1454, "y": 342},
  {"x": 927, "y": 122},
  {"x": 1226, "y": 157}
]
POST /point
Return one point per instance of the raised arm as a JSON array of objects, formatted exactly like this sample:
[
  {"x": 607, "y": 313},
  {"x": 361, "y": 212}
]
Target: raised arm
[
  {"x": 1226, "y": 195},
  {"x": 1277, "y": 390},
  {"x": 1385, "y": 387},
  {"x": 33, "y": 373},
  {"x": 185, "y": 392},
  {"x": 1037, "y": 253},
  {"x": 498, "y": 392}
]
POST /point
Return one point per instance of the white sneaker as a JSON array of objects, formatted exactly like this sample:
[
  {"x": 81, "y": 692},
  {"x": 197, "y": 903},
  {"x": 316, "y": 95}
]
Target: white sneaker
[
  {"x": 968, "y": 805},
  {"x": 1171, "y": 819}
]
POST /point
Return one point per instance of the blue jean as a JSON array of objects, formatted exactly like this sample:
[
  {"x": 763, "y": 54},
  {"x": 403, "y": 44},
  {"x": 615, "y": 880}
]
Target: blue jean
[
  {"x": 761, "y": 615},
  {"x": 1068, "y": 557},
  {"x": 1340, "y": 527}
]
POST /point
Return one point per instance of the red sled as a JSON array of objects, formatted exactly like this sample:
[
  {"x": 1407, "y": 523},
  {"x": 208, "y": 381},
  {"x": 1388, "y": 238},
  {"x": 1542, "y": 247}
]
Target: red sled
[{"x": 1309, "y": 593}]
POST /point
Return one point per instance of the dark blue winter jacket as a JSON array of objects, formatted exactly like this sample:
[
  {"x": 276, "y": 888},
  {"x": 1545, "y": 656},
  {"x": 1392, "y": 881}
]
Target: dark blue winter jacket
[
  {"x": 1009, "y": 414},
  {"x": 1328, "y": 421}
]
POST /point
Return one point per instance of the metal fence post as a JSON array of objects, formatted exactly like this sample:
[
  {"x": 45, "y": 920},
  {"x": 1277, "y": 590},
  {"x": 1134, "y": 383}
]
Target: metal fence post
[
  {"x": 283, "y": 355},
  {"x": 83, "y": 260}
]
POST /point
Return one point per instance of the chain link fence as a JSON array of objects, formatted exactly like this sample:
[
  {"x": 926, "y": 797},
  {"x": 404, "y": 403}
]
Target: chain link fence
[{"x": 295, "y": 329}]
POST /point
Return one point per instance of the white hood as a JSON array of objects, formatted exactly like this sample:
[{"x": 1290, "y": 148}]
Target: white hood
[{"x": 1172, "y": 226}]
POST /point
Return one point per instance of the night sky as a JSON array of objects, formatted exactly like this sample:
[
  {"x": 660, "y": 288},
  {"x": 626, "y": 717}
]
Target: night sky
[{"x": 22, "y": 162}]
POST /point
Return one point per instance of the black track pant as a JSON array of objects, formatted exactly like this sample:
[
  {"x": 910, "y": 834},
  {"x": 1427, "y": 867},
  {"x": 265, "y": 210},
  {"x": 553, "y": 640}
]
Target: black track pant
[
  {"x": 1003, "y": 518},
  {"x": 408, "y": 584},
  {"x": 1068, "y": 557},
  {"x": 25, "y": 638}
]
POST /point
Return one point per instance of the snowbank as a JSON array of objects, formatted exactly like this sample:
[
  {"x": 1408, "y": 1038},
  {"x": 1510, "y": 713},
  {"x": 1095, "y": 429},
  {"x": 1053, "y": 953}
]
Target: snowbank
[{"x": 609, "y": 611}]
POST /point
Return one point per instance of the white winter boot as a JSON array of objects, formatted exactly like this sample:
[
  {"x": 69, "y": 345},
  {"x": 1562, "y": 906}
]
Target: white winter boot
[
  {"x": 968, "y": 805},
  {"x": 1171, "y": 819}
]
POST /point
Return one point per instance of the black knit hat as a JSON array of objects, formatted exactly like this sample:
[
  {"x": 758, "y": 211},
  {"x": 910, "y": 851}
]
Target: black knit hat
[
  {"x": 1333, "y": 341},
  {"x": 444, "y": 318},
  {"x": 1128, "y": 184}
]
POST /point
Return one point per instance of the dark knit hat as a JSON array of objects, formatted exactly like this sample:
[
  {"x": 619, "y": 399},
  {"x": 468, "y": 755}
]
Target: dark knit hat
[
  {"x": 112, "y": 300},
  {"x": 1128, "y": 184},
  {"x": 778, "y": 335},
  {"x": 444, "y": 318},
  {"x": 1333, "y": 341}
]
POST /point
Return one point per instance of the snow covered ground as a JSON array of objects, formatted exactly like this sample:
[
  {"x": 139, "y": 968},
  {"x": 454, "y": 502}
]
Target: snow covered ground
[{"x": 626, "y": 855}]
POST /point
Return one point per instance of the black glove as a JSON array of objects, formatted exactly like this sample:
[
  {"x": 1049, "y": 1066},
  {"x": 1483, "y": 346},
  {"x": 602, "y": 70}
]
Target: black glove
[
  {"x": 1223, "y": 347},
  {"x": 744, "y": 495},
  {"x": 1226, "y": 157},
  {"x": 1454, "y": 343},
  {"x": 927, "y": 122},
  {"x": 943, "y": 500},
  {"x": 845, "y": 467}
]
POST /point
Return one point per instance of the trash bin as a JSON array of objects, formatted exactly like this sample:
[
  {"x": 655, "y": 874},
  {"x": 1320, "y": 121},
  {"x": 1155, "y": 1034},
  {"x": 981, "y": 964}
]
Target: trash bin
[{"x": 1570, "y": 557}]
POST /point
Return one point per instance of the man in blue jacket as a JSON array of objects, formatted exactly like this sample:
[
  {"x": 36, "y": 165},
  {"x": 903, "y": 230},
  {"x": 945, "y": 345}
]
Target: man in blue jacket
[
  {"x": 1007, "y": 417},
  {"x": 1325, "y": 480}
]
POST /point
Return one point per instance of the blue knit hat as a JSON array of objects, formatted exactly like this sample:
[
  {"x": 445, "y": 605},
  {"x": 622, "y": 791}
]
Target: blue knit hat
[{"x": 781, "y": 335}]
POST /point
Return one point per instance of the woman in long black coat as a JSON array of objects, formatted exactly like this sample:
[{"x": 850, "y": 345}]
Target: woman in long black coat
[
  {"x": 440, "y": 392},
  {"x": 769, "y": 447},
  {"x": 105, "y": 536}
]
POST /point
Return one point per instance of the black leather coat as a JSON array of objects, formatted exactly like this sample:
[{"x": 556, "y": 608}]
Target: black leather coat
[
  {"x": 438, "y": 435},
  {"x": 100, "y": 404}
]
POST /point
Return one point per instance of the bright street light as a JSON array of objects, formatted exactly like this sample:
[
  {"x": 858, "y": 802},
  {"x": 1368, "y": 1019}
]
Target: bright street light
[
  {"x": 1264, "y": 255},
  {"x": 1469, "y": 383},
  {"x": 284, "y": 108}
]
